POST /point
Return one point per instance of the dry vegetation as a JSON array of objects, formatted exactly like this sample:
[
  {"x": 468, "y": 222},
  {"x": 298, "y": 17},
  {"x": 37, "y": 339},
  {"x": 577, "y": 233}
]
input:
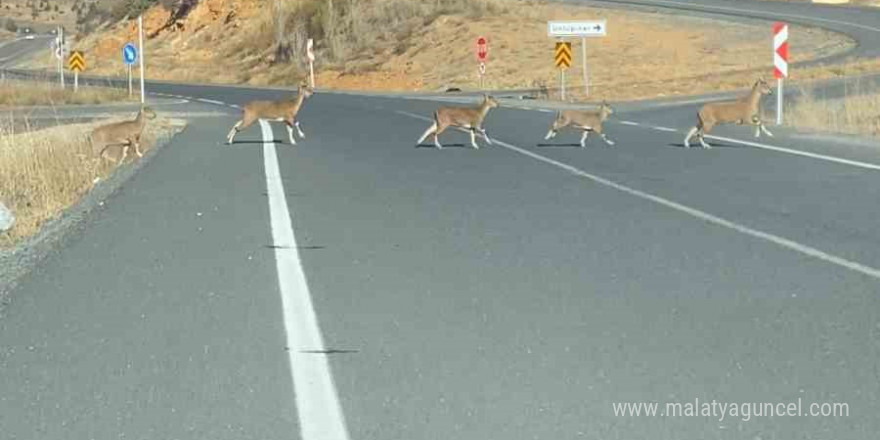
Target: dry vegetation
[
  {"x": 44, "y": 172},
  {"x": 28, "y": 93},
  {"x": 857, "y": 114},
  {"x": 428, "y": 45}
]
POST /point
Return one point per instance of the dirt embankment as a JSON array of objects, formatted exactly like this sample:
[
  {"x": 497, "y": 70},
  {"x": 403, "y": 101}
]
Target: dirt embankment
[{"x": 644, "y": 55}]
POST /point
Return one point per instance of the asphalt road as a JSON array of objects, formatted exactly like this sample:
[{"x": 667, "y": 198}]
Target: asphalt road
[{"x": 517, "y": 291}]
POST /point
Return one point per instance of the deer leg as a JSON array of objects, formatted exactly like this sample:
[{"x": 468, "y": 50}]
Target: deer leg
[
  {"x": 764, "y": 129},
  {"x": 605, "y": 138},
  {"x": 137, "y": 146},
  {"x": 474, "y": 139},
  {"x": 584, "y": 138},
  {"x": 299, "y": 129},
  {"x": 437, "y": 131},
  {"x": 485, "y": 136},
  {"x": 687, "y": 139},
  {"x": 431, "y": 129},
  {"x": 705, "y": 128},
  {"x": 289, "y": 127},
  {"x": 235, "y": 129},
  {"x": 124, "y": 155},
  {"x": 702, "y": 139},
  {"x": 554, "y": 130}
]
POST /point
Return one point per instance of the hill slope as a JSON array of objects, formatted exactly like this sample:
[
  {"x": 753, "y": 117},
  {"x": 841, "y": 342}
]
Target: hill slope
[{"x": 406, "y": 45}]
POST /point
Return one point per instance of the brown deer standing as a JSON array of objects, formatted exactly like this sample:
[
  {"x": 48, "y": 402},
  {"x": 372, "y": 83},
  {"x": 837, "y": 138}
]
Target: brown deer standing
[{"x": 745, "y": 110}]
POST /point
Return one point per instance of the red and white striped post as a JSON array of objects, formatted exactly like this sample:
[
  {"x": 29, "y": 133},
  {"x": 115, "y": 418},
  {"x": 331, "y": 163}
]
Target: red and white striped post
[{"x": 780, "y": 62}]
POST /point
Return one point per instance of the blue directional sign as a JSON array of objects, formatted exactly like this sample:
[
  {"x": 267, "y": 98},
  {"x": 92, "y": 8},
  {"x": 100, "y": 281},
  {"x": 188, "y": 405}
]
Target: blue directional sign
[{"x": 129, "y": 54}]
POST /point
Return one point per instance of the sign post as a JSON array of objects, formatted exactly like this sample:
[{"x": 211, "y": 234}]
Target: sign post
[
  {"x": 482, "y": 54},
  {"x": 129, "y": 56},
  {"x": 310, "y": 54},
  {"x": 76, "y": 63},
  {"x": 582, "y": 29},
  {"x": 562, "y": 61},
  {"x": 780, "y": 63},
  {"x": 141, "y": 58},
  {"x": 59, "y": 53}
]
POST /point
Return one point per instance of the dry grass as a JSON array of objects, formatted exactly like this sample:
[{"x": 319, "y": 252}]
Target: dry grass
[
  {"x": 26, "y": 93},
  {"x": 407, "y": 45},
  {"x": 857, "y": 115},
  {"x": 43, "y": 172}
]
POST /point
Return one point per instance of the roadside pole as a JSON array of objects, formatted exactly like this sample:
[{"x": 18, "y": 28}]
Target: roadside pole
[
  {"x": 141, "y": 55},
  {"x": 310, "y": 54},
  {"x": 60, "y": 52},
  {"x": 562, "y": 82},
  {"x": 130, "y": 91},
  {"x": 482, "y": 53},
  {"x": 779, "y": 103},
  {"x": 584, "y": 61},
  {"x": 75, "y": 81},
  {"x": 780, "y": 63}
]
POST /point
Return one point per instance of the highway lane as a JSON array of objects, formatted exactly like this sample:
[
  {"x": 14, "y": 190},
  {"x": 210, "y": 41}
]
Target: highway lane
[{"x": 14, "y": 51}]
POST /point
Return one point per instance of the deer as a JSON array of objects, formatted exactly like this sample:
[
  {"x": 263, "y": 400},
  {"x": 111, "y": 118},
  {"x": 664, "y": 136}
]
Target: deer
[
  {"x": 586, "y": 120},
  {"x": 124, "y": 134},
  {"x": 470, "y": 118},
  {"x": 282, "y": 111},
  {"x": 745, "y": 110}
]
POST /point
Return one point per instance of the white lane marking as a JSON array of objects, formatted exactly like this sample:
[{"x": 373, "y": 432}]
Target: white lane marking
[
  {"x": 834, "y": 159},
  {"x": 317, "y": 403},
  {"x": 630, "y": 123},
  {"x": 234, "y": 106},
  {"x": 775, "y": 239},
  {"x": 210, "y": 101},
  {"x": 545, "y": 110},
  {"x": 825, "y": 157},
  {"x": 765, "y": 13}
]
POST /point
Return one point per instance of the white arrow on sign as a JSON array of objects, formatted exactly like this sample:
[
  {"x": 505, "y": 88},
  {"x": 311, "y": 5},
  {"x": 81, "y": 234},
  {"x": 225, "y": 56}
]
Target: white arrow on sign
[{"x": 594, "y": 28}]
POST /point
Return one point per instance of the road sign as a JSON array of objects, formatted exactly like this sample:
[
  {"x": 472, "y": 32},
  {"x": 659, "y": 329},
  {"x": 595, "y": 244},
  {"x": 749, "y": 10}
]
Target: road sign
[
  {"x": 129, "y": 54},
  {"x": 780, "y": 50},
  {"x": 482, "y": 49},
  {"x": 563, "y": 55},
  {"x": 559, "y": 29},
  {"x": 482, "y": 68},
  {"x": 76, "y": 62},
  {"x": 310, "y": 52}
]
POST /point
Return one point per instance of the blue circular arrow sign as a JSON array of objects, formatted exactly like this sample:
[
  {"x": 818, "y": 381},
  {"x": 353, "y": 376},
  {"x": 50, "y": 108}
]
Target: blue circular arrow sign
[{"x": 129, "y": 54}]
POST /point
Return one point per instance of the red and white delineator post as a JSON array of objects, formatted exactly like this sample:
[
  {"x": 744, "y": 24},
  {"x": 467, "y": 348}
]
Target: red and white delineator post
[{"x": 780, "y": 62}]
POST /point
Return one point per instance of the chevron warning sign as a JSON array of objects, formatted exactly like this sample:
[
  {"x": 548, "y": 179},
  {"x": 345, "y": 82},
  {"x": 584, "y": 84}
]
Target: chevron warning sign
[
  {"x": 563, "y": 55},
  {"x": 77, "y": 61}
]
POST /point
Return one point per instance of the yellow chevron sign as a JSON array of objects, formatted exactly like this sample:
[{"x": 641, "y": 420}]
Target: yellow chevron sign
[
  {"x": 76, "y": 62},
  {"x": 563, "y": 55}
]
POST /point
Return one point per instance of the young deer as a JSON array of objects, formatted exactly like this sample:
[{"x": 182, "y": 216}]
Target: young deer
[
  {"x": 123, "y": 134},
  {"x": 470, "y": 118},
  {"x": 586, "y": 120},
  {"x": 741, "y": 111},
  {"x": 281, "y": 111}
]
